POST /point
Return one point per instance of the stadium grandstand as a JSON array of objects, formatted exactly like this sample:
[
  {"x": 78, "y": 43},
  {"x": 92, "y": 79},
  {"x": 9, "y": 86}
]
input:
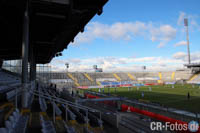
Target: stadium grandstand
[
  {"x": 36, "y": 31},
  {"x": 195, "y": 67},
  {"x": 33, "y": 98},
  {"x": 95, "y": 79}
]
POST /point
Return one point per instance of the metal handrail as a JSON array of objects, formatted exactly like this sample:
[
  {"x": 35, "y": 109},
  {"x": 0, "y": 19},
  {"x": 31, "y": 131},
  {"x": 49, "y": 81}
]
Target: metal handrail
[{"x": 62, "y": 101}]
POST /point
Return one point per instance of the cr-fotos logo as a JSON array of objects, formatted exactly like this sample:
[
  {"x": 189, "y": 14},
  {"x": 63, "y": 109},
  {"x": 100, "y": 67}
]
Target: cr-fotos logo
[{"x": 193, "y": 126}]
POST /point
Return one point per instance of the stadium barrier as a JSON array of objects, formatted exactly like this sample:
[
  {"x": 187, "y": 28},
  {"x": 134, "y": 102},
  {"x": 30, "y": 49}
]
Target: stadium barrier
[
  {"x": 138, "y": 84},
  {"x": 151, "y": 84},
  {"x": 126, "y": 108},
  {"x": 118, "y": 84},
  {"x": 105, "y": 85},
  {"x": 110, "y": 103},
  {"x": 125, "y": 85},
  {"x": 82, "y": 87},
  {"x": 90, "y": 96},
  {"x": 89, "y": 87},
  {"x": 101, "y": 86}
]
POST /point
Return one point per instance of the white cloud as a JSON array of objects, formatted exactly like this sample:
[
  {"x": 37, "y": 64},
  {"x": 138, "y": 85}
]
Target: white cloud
[
  {"x": 182, "y": 56},
  {"x": 127, "y": 31},
  {"x": 181, "y": 43},
  {"x": 115, "y": 31},
  {"x": 74, "y": 61},
  {"x": 195, "y": 57},
  {"x": 110, "y": 64},
  {"x": 162, "y": 34}
]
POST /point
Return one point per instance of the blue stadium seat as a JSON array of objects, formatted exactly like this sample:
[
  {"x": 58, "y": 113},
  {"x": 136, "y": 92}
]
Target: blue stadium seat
[{"x": 3, "y": 130}]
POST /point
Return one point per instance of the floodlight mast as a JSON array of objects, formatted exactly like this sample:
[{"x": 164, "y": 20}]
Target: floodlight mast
[
  {"x": 143, "y": 68},
  {"x": 67, "y": 66},
  {"x": 187, "y": 36},
  {"x": 95, "y": 70}
]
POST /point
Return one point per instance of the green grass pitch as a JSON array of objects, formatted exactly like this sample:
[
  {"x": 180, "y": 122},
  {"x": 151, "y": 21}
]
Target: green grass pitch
[{"x": 164, "y": 94}]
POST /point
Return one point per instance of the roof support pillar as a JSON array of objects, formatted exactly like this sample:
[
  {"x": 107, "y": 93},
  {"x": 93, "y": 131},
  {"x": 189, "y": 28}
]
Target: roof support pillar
[
  {"x": 25, "y": 49},
  {"x": 32, "y": 68},
  {"x": 1, "y": 63}
]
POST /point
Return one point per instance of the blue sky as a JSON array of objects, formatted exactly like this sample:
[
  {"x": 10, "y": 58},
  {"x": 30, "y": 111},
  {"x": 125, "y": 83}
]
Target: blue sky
[{"x": 133, "y": 33}]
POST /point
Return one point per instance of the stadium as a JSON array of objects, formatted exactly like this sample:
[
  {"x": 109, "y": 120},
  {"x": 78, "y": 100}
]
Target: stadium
[{"x": 34, "y": 98}]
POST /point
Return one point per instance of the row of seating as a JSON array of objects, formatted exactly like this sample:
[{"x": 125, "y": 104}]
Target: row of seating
[
  {"x": 80, "y": 117},
  {"x": 8, "y": 84},
  {"x": 22, "y": 124},
  {"x": 68, "y": 129},
  {"x": 6, "y": 78},
  {"x": 70, "y": 113},
  {"x": 9, "y": 81},
  {"x": 7, "y": 87},
  {"x": 57, "y": 110},
  {"x": 11, "y": 94},
  {"x": 94, "y": 120},
  {"x": 43, "y": 105},
  {"x": 4, "y": 88},
  {"x": 16, "y": 123},
  {"x": 47, "y": 126}
]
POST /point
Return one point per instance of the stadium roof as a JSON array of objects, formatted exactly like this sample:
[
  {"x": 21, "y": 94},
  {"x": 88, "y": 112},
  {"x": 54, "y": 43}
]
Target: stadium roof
[
  {"x": 53, "y": 25},
  {"x": 192, "y": 65}
]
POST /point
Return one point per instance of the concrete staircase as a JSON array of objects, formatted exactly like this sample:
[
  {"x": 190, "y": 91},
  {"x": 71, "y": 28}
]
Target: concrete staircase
[
  {"x": 88, "y": 77},
  {"x": 173, "y": 75},
  {"x": 74, "y": 79},
  {"x": 116, "y": 76},
  {"x": 160, "y": 76},
  {"x": 98, "y": 83},
  {"x": 193, "y": 77},
  {"x": 131, "y": 76}
]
